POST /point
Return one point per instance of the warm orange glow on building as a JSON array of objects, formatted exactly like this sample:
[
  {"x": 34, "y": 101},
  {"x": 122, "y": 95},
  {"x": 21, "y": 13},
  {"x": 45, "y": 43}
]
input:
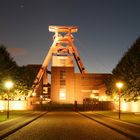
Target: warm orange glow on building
[
  {"x": 77, "y": 86},
  {"x": 66, "y": 85}
]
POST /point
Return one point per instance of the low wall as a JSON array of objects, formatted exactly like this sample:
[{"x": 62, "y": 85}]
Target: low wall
[
  {"x": 130, "y": 106},
  {"x": 90, "y": 104},
  {"x": 125, "y": 106},
  {"x": 13, "y": 105}
]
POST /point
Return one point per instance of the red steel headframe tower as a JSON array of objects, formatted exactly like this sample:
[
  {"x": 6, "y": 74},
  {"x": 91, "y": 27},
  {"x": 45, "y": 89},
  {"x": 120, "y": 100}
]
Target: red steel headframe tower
[{"x": 61, "y": 52}]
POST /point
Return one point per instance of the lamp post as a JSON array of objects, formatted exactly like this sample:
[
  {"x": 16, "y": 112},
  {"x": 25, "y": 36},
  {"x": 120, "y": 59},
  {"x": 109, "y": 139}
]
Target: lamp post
[
  {"x": 8, "y": 85},
  {"x": 119, "y": 85}
]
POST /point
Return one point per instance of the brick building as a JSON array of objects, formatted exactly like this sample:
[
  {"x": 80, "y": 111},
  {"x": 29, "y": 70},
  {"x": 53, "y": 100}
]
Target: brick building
[{"x": 68, "y": 86}]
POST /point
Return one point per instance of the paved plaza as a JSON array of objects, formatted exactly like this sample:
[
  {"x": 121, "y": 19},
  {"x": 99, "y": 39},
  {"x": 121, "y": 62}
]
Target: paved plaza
[{"x": 65, "y": 126}]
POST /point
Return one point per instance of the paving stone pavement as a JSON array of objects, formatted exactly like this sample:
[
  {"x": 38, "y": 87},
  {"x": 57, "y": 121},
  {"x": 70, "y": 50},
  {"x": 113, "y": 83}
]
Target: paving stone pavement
[
  {"x": 129, "y": 129},
  {"x": 64, "y": 125},
  {"x": 10, "y": 126}
]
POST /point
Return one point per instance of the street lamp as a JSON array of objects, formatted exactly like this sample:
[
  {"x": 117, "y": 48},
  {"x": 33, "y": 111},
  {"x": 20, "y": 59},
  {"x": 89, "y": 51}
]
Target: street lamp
[
  {"x": 8, "y": 86},
  {"x": 119, "y": 85}
]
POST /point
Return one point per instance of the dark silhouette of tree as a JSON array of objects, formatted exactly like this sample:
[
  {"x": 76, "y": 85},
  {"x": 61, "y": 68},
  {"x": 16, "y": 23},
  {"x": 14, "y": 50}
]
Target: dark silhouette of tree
[
  {"x": 22, "y": 77},
  {"x": 27, "y": 74},
  {"x": 8, "y": 67},
  {"x": 128, "y": 71}
]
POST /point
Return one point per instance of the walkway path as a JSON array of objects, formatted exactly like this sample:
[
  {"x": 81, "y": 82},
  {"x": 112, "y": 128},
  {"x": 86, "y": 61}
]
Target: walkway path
[
  {"x": 128, "y": 129},
  {"x": 65, "y": 126},
  {"x": 10, "y": 126}
]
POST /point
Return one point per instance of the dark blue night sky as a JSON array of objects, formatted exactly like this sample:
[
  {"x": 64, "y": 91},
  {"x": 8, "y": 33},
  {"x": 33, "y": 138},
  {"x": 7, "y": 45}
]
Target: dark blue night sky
[{"x": 107, "y": 28}]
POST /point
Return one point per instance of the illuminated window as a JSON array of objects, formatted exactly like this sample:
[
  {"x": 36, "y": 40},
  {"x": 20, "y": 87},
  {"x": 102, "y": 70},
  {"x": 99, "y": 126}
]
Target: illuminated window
[
  {"x": 95, "y": 91},
  {"x": 62, "y": 95},
  {"x": 62, "y": 91}
]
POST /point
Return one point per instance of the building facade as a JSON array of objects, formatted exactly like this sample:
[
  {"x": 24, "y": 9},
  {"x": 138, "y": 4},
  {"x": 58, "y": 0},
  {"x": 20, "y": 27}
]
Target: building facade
[{"x": 68, "y": 86}]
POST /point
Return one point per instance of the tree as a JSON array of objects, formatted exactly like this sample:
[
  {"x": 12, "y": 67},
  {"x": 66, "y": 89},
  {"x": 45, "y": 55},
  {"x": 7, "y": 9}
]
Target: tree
[
  {"x": 128, "y": 71},
  {"x": 8, "y": 67},
  {"x": 22, "y": 77},
  {"x": 27, "y": 74}
]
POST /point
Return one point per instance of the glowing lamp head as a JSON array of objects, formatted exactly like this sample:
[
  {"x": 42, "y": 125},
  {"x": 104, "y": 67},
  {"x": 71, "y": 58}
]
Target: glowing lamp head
[
  {"x": 33, "y": 94},
  {"x": 9, "y": 84},
  {"x": 119, "y": 85}
]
